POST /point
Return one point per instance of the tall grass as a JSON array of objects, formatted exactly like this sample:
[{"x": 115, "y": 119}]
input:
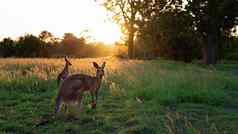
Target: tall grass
[{"x": 135, "y": 96}]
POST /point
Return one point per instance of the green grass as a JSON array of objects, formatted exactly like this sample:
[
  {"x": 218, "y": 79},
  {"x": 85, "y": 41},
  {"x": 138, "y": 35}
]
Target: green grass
[{"x": 175, "y": 98}]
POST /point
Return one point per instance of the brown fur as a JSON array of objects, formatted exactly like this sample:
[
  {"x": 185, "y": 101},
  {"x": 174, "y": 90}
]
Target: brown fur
[
  {"x": 72, "y": 88},
  {"x": 64, "y": 74}
]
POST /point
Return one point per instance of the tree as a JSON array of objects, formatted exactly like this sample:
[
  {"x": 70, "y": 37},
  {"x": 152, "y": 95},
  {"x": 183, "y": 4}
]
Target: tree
[
  {"x": 177, "y": 36},
  {"x": 164, "y": 30},
  {"x": 70, "y": 42},
  {"x": 29, "y": 46},
  {"x": 47, "y": 37},
  {"x": 7, "y": 47},
  {"x": 135, "y": 15},
  {"x": 169, "y": 33},
  {"x": 73, "y": 45},
  {"x": 46, "y": 45},
  {"x": 212, "y": 18},
  {"x": 126, "y": 13}
]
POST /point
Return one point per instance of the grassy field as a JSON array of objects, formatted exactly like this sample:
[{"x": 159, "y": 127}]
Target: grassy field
[{"x": 146, "y": 97}]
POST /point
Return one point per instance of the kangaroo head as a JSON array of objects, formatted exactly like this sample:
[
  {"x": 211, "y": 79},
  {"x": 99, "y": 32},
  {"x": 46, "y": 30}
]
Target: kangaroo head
[
  {"x": 100, "y": 70},
  {"x": 67, "y": 61}
]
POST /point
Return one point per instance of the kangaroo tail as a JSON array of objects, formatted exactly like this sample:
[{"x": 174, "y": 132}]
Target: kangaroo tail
[{"x": 57, "y": 104}]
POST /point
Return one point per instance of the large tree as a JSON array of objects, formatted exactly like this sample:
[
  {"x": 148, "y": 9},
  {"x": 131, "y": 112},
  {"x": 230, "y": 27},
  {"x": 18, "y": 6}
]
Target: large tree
[
  {"x": 212, "y": 18},
  {"x": 152, "y": 13},
  {"x": 135, "y": 15},
  {"x": 126, "y": 13}
]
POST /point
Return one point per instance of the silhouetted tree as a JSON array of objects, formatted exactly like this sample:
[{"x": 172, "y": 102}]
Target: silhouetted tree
[
  {"x": 7, "y": 47},
  {"x": 46, "y": 45},
  {"x": 212, "y": 18},
  {"x": 126, "y": 14},
  {"x": 29, "y": 46},
  {"x": 135, "y": 15},
  {"x": 70, "y": 44}
]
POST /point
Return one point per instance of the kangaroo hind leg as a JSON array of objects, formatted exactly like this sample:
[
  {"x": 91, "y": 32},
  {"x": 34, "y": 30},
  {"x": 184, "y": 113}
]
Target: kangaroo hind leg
[
  {"x": 57, "y": 104},
  {"x": 80, "y": 103}
]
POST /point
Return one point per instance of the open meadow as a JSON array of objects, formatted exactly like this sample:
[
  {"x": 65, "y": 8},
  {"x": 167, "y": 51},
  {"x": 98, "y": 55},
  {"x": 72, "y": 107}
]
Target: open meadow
[{"x": 136, "y": 96}]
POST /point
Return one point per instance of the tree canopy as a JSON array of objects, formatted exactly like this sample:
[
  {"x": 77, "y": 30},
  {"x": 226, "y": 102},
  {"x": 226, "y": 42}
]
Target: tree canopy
[
  {"x": 177, "y": 29},
  {"x": 47, "y": 45}
]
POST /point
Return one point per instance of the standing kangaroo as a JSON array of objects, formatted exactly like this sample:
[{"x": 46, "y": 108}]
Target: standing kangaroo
[
  {"x": 64, "y": 74},
  {"x": 73, "y": 87}
]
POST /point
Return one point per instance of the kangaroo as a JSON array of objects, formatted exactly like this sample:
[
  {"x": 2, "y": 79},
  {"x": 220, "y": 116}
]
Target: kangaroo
[
  {"x": 73, "y": 87},
  {"x": 64, "y": 74}
]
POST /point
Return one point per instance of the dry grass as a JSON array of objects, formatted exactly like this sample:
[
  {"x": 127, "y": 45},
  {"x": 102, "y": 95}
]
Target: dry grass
[{"x": 136, "y": 97}]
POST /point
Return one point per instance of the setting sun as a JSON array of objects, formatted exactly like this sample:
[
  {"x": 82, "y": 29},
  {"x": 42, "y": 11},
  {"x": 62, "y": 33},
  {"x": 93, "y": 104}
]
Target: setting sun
[
  {"x": 58, "y": 17},
  {"x": 108, "y": 33}
]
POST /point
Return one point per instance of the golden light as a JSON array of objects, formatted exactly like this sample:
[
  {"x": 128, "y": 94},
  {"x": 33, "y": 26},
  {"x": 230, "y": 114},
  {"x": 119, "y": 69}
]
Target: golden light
[
  {"x": 57, "y": 17},
  {"x": 109, "y": 33}
]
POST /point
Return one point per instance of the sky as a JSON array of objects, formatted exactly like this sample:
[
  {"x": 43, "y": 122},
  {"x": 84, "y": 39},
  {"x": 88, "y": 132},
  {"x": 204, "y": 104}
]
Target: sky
[{"x": 19, "y": 17}]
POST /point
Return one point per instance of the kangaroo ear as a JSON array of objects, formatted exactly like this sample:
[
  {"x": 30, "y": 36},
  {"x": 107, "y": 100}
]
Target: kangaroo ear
[
  {"x": 69, "y": 62},
  {"x": 95, "y": 65},
  {"x": 103, "y": 64},
  {"x": 66, "y": 60}
]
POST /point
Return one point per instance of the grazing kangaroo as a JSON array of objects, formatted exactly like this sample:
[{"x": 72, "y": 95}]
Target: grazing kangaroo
[
  {"x": 73, "y": 87},
  {"x": 64, "y": 74}
]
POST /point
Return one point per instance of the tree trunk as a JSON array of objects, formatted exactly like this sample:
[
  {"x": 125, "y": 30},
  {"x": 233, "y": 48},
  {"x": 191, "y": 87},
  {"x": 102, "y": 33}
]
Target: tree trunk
[
  {"x": 131, "y": 53},
  {"x": 209, "y": 50}
]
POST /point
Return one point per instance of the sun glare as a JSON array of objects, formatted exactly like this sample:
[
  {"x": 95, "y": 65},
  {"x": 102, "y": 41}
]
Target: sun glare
[
  {"x": 72, "y": 16},
  {"x": 107, "y": 34}
]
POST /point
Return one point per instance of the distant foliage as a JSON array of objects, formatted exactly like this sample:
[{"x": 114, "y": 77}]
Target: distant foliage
[
  {"x": 46, "y": 45},
  {"x": 7, "y": 47}
]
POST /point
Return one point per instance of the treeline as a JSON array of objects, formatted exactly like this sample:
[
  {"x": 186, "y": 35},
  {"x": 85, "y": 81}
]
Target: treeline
[
  {"x": 174, "y": 35},
  {"x": 47, "y": 45},
  {"x": 178, "y": 29}
]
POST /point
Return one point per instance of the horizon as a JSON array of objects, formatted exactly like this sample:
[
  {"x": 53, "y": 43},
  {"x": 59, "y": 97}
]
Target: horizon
[{"x": 32, "y": 17}]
